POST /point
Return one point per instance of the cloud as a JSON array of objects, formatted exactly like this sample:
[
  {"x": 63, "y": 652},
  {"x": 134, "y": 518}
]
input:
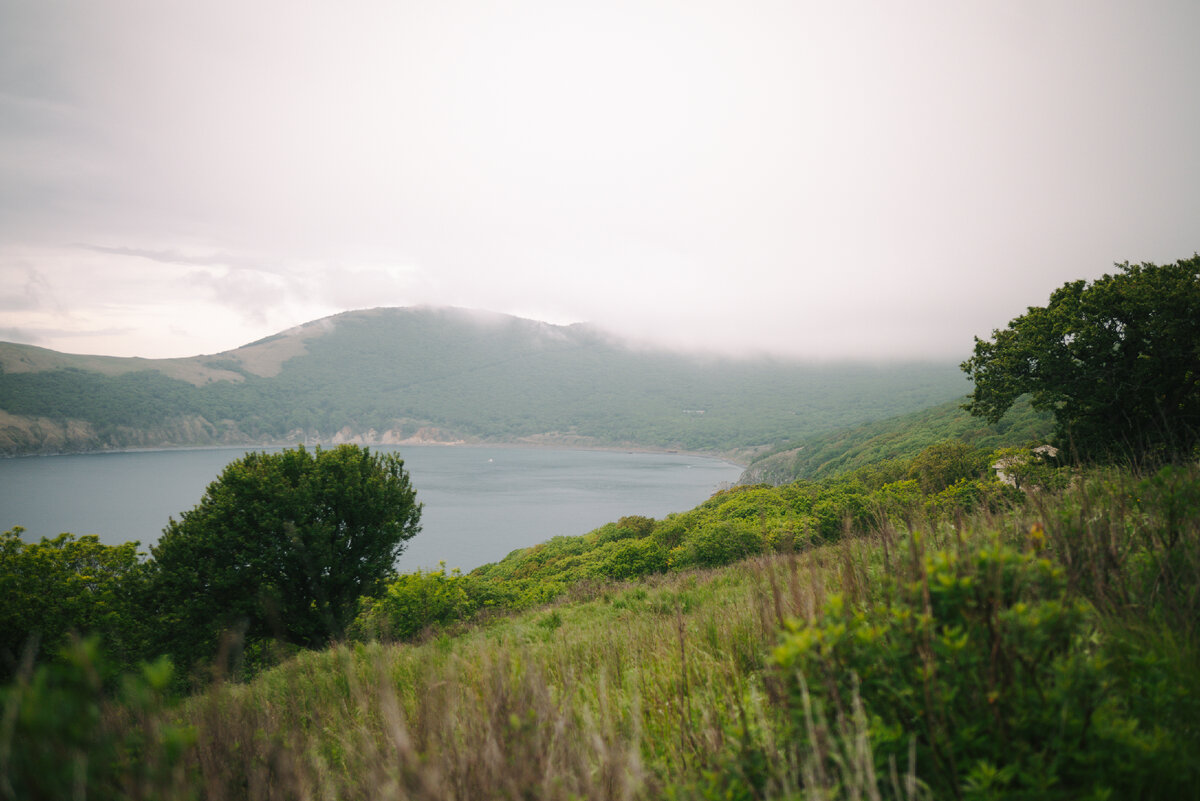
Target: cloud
[
  {"x": 177, "y": 257},
  {"x": 857, "y": 178},
  {"x": 27, "y": 288}
]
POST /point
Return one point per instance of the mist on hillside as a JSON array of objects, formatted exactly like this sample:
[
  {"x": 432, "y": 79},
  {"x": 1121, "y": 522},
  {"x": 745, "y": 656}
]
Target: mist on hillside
[{"x": 867, "y": 181}]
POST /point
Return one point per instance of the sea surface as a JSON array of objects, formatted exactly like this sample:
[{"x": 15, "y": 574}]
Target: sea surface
[{"x": 480, "y": 503}]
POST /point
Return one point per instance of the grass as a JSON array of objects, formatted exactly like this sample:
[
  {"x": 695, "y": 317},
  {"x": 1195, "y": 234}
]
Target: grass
[
  {"x": 605, "y": 697},
  {"x": 889, "y": 664}
]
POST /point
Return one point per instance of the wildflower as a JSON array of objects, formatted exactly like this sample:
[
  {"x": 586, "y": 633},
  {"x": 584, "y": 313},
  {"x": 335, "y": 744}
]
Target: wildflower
[{"x": 1037, "y": 536}]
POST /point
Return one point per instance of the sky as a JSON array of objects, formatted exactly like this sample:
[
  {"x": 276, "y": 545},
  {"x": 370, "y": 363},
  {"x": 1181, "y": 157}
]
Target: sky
[{"x": 873, "y": 180}]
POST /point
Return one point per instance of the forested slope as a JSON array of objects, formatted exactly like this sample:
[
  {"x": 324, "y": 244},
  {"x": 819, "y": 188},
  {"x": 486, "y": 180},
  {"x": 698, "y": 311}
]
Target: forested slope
[{"x": 394, "y": 375}]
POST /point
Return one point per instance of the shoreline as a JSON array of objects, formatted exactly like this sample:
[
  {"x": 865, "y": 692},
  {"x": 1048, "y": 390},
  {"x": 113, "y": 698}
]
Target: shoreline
[{"x": 412, "y": 442}]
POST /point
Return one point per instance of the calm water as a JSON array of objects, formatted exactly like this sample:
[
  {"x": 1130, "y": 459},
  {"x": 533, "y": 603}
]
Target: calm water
[{"x": 480, "y": 502}]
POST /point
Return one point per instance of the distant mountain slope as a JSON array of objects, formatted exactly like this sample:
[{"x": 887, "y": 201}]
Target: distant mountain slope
[
  {"x": 902, "y": 437},
  {"x": 427, "y": 374}
]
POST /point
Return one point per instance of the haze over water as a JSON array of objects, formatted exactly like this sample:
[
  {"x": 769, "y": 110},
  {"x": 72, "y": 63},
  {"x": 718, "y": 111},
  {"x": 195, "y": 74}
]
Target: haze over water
[{"x": 480, "y": 503}]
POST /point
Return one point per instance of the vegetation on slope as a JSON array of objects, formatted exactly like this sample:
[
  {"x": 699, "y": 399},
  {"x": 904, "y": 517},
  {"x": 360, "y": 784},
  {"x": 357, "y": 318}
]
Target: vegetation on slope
[
  {"x": 1046, "y": 649},
  {"x": 392, "y": 374},
  {"x": 902, "y": 437}
]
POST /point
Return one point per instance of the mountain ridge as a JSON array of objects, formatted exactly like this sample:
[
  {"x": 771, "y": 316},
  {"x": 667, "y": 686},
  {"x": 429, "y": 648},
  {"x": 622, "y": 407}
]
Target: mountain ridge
[{"x": 445, "y": 374}]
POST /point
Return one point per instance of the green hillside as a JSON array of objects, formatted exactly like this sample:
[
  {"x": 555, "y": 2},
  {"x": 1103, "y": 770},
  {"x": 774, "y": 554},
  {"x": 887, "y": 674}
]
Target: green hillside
[
  {"x": 395, "y": 375},
  {"x": 963, "y": 640},
  {"x": 831, "y": 452}
]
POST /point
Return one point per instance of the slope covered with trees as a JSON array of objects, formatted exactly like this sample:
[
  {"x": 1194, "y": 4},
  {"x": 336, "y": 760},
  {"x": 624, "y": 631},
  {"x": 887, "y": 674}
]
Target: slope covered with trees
[{"x": 394, "y": 375}]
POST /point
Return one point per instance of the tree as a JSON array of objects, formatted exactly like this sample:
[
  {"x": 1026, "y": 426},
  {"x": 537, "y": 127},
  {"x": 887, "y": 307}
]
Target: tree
[
  {"x": 55, "y": 587},
  {"x": 283, "y": 545},
  {"x": 1117, "y": 361},
  {"x": 941, "y": 465}
]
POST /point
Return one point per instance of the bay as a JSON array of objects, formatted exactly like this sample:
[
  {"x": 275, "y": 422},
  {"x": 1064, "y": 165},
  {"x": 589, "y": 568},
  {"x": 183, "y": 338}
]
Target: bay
[{"x": 480, "y": 502}]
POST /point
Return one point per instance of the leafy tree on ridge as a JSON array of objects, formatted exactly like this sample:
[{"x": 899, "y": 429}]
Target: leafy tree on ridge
[{"x": 1117, "y": 361}]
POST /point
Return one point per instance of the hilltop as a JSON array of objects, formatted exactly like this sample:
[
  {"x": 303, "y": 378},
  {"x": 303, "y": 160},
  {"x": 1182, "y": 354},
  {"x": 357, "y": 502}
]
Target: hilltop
[{"x": 396, "y": 375}]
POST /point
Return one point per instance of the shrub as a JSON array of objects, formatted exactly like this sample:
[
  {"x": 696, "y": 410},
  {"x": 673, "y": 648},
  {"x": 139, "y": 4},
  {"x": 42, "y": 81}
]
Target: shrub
[
  {"x": 72, "y": 728},
  {"x": 57, "y": 587},
  {"x": 997, "y": 676},
  {"x": 633, "y": 558},
  {"x": 941, "y": 465},
  {"x": 413, "y": 603},
  {"x": 282, "y": 546},
  {"x": 718, "y": 544},
  {"x": 838, "y": 507}
]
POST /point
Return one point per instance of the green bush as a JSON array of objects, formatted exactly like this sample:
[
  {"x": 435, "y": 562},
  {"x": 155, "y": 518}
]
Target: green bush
[
  {"x": 994, "y": 672},
  {"x": 965, "y": 496},
  {"x": 717, "y": 544},
  {"x": 413, "y": 603},
  {"x": 839, "y": 507},
  {"x": 942, "y": 465},
  {"x": 74, "y": 729},
  {"x": 633, "y": 558}
]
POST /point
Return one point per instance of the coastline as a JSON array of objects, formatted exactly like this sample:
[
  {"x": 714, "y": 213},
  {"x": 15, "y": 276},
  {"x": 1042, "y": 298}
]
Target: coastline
[
  {"x": 410, "y": 442},
  {"x": 520, "y": 493}
]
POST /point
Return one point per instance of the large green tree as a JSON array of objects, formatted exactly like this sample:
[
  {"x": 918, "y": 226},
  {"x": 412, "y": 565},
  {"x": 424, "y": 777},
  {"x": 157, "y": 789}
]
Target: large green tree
[
  {"x": 1116, "y": 360},
  {"x": 282, "y": 545}
]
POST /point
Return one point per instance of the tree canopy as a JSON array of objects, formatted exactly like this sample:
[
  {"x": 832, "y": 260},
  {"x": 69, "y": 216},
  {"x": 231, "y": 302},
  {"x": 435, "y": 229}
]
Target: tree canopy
[
  {"x": 282, "y": 545},
  {"x": 66, "y": 584},
  {"x": 1116, "y": 360}
]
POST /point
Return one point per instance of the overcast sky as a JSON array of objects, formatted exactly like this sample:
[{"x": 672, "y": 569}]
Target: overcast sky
[{"x": 873, "y": 179}]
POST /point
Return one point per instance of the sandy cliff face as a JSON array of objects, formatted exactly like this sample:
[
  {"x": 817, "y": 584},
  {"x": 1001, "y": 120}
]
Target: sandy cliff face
[
  {"x": 776, "y": 469},
  {"x": 21, "y": 435},
  {"x": 427, "y": 435}
]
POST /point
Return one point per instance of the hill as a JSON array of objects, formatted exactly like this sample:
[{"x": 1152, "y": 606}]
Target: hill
[
  {"x": 902, "y": 437},
  {"x": 445, "y": 375}
]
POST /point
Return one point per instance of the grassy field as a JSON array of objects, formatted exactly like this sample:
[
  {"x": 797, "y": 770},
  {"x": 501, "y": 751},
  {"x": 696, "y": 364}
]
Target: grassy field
[{"x": 1048, "y": 649}]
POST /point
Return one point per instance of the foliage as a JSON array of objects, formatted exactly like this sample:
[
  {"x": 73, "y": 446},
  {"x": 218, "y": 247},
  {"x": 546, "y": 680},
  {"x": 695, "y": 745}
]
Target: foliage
[
  {"x": 138, "y": 398},
  {"x": 1117, "y": 361},
  {"x": 412, "y": 603},
  {"x": 458, "y": 375},
  {"x": 1132, "y": 546},
  {"x": 977, "y": 659},
  {"x": 56, "y": 587},
  {"x": 633, "y": 559},
  {"x": 282, "y": 544},
  {"x": 896, "y": 439},
  {"x": 945, "y": 463},
  {"x": 74, "y": 729},
  {"x": 745, "y": 521},
  {"x": 1060, "y": 665}
]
